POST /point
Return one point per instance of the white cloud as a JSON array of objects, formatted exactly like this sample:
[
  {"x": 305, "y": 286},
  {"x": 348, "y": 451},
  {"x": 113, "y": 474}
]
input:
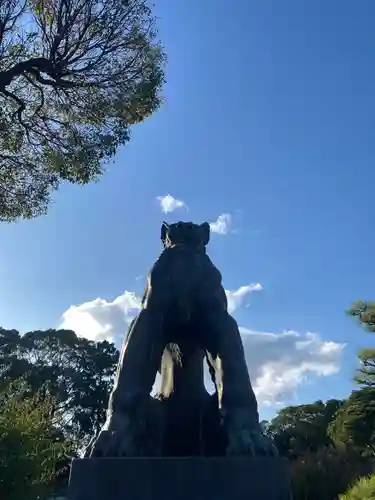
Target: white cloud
[
  {"x": 99, "y": 319},
  {"x": 169, "y": 204},
  {"x": 222, "y": 224},
  {"x": 237, "y": 297},
  {"x": 278, "y": 363}
]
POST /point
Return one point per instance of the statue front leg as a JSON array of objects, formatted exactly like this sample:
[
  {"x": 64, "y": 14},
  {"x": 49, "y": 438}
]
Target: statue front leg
[
  {"x": 131, "y": 408},
  {"x": 236, "y": 398}
]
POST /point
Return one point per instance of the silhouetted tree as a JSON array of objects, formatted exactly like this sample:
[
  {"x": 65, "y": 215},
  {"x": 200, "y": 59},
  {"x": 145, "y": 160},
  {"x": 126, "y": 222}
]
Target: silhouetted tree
[
  {"x": 76, "y": 372},
  {"x": 74, "y": 76},
  {"x": 364, "y": 312},
  {"x": 354, "y": 423},
  {"x": 303, "y": 428}
]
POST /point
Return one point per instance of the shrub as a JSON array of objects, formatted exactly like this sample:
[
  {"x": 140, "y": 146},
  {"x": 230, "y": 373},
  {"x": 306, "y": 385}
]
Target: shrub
[
  {"x": 364, "y": 489},
  {"x": 327, "y": 473},
  {"x": 30, "y": 444}
]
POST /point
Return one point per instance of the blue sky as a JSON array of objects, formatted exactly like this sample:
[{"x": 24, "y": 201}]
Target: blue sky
[{"x": 269, "y": 117}]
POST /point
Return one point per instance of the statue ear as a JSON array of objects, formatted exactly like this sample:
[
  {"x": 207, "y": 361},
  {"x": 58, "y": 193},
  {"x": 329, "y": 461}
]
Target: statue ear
[
  {"x": 164, "y": 231},
  {"x": 205, "y": 231}
]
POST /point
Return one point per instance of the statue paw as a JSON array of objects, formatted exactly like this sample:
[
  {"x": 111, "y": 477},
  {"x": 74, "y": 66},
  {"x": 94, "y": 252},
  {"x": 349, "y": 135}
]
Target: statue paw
[
  {"x": 250, "y": 442},
  {"x": 114, "y": 440},
  {"x": 130, "y": 434},
  {"x": 245, "y": 435}
]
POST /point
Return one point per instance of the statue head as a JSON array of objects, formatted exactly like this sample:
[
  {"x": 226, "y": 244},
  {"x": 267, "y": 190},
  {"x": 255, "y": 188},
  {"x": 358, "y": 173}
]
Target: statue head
[{"x": 185, "y": 234}]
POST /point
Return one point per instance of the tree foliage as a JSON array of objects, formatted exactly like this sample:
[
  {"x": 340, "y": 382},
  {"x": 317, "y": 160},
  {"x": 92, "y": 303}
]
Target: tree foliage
[
  {"x": 321, "y": 465},
  {"x": 74, "y": 76},
  {"x": 365, "y": 374},
  {"x": 354, "y": 424},
  {"x": 364, "y": 312},
  {"x": 364, "y": 489},
  {"x": 77, "y": 373},
  {"x": 300, "y": 429},
  {"x": 30, "y": 444},
  {"x": 326, "y": 473}
]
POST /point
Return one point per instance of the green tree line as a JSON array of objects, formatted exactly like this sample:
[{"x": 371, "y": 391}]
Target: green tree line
[{"x": 331, "y": 445}]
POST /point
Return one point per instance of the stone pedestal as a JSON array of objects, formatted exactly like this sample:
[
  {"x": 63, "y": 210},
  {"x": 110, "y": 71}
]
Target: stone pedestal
[{"x": 193, "y": 478}]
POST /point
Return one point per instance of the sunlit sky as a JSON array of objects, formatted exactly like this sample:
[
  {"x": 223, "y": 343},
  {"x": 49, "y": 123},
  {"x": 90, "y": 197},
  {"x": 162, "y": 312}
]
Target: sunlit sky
[{"x": 268, "y": 122}]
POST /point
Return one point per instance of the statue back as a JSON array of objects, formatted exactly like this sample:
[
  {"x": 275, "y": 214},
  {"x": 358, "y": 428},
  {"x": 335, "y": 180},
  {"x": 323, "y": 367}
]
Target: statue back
[{"x": 184, "y": 281}]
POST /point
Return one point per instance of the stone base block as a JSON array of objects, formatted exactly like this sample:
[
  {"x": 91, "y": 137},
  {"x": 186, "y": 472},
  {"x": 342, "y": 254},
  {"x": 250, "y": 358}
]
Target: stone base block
[{"x": 193, "y": 478}]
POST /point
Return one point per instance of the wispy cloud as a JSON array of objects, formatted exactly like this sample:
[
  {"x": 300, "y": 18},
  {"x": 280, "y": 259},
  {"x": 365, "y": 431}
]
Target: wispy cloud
[
  {"x": 236, "y": 297},
  {"x": 169, "y": 204},
  {"x": 222, "y": 224},
  {"x": 281, "y": 362}
]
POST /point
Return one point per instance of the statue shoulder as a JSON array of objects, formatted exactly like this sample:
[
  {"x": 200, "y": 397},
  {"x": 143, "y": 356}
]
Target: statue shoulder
[{"x": 161, "y": 263}]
